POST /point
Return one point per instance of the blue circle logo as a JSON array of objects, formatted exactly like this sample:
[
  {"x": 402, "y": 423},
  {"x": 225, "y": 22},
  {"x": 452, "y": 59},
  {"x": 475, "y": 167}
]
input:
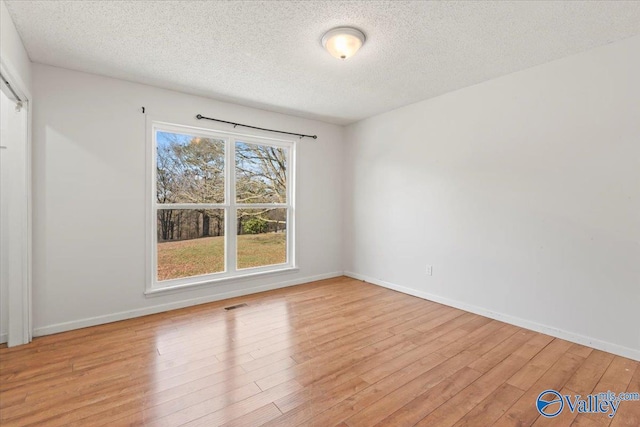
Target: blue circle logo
[{"x": 549, "y": 403}]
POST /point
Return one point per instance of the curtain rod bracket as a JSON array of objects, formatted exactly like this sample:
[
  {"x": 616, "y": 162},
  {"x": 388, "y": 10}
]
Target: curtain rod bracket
[{"x": 13, "y": 92}]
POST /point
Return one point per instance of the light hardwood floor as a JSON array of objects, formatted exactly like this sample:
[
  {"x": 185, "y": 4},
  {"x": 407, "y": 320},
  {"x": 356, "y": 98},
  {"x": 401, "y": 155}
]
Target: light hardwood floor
[{"x": 335, "y": 352}]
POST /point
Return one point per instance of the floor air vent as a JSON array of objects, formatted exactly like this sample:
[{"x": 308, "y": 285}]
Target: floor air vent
[{"x": 233, "y": 307}]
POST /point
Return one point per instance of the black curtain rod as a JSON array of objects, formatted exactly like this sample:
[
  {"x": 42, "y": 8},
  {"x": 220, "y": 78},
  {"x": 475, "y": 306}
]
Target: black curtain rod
[{"x": 201, "y": 117}]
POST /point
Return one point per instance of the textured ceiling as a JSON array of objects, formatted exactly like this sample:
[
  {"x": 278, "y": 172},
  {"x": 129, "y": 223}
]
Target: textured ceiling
[{"x": 268, "y": 54}]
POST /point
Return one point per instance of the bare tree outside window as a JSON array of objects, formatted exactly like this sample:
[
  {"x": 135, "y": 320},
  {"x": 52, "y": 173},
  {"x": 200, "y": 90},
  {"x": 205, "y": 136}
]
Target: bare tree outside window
[
  {"x": 192, "y": 213},
  {"x": 261, "y": 177}
]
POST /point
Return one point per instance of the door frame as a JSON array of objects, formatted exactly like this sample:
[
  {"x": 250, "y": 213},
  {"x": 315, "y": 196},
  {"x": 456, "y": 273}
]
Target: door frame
[{"x": 19, "y": 328}]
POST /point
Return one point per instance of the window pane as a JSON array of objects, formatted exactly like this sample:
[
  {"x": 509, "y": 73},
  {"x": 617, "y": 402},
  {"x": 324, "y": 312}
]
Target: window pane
[
  {"x": 261, "y": 173},
  {"x": 262, "y": 237},
  {"x": 190, "y": 169},
  {"x": 190, "y": 242}
]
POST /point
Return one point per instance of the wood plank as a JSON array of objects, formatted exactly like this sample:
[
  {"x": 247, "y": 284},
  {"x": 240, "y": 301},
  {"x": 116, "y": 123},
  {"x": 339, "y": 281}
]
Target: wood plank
[
  {"x": 590, "y": 372},
  {"x": 491, "y": 408},
  {"x": 399, "y": 397},
  {"x": 239, "y": 409},
  {"x": 582, "y": 383},
  {"x": 375, "y": 392},
  {"x": 580, "y": 350},
  {"x": 212, "y": 398},
  {"x": 418, "y": 407},
  {"x": 318, "y": 391},
  {"x": 524, "y": 410},
  {"x": 616, "y": 378},
  {"x": 139, "y": 407},
  {"x": 474, "y": 337},
  {"x": 527, "y": 376},
  {"x": 463, "y": 402},
  {"x": 259, "y": 417},
  {"x": 501, "y": 351},
  {"x": 321, "y": 400},
  {"x": 628, "y": 414}
]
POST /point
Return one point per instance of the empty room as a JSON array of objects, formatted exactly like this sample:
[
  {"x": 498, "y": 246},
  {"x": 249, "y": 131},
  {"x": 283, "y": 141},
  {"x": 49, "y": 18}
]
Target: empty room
[{"x": 320, "y": 213}]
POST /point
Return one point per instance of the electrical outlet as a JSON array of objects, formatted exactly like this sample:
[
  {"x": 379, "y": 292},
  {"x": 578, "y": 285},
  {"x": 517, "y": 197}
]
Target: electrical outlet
[{"x": 429, "y": 270}]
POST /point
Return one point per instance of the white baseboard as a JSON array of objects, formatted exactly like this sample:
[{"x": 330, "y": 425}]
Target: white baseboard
[
  {"x": 517, "y": 321},
  {"x": 4, "y": 338},
  {"x": 123, "y": 315}
]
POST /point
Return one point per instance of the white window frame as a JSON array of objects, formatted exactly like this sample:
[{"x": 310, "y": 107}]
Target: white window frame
[{"x": 231, "y": 272}]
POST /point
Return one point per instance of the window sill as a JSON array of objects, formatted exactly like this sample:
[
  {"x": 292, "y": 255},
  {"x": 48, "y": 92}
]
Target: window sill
[{"x": 212, "y": 282}]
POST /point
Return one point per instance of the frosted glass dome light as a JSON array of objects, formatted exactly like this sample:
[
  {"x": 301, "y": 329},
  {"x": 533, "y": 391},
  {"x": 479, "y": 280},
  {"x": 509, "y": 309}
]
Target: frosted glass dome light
[{"x": 343, "y": 42}]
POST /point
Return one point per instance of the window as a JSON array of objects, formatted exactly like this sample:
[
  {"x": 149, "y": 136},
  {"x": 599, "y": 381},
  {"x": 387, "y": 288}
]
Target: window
[{"x": 222, "y": 206}]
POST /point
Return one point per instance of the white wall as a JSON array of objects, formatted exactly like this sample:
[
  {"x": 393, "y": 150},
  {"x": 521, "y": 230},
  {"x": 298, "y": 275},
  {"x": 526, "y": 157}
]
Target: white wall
[
  {"x": 523, "y": 193},
  {"x": 90, "y": 196}
]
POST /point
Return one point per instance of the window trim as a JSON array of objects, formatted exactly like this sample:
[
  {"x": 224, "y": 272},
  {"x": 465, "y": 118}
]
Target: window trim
[{"x": 231, "y": 273}]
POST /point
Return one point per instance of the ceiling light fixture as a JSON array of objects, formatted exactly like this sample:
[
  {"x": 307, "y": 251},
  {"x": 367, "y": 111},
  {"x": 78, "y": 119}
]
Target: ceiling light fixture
[{"x": 343, "y": 42}]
